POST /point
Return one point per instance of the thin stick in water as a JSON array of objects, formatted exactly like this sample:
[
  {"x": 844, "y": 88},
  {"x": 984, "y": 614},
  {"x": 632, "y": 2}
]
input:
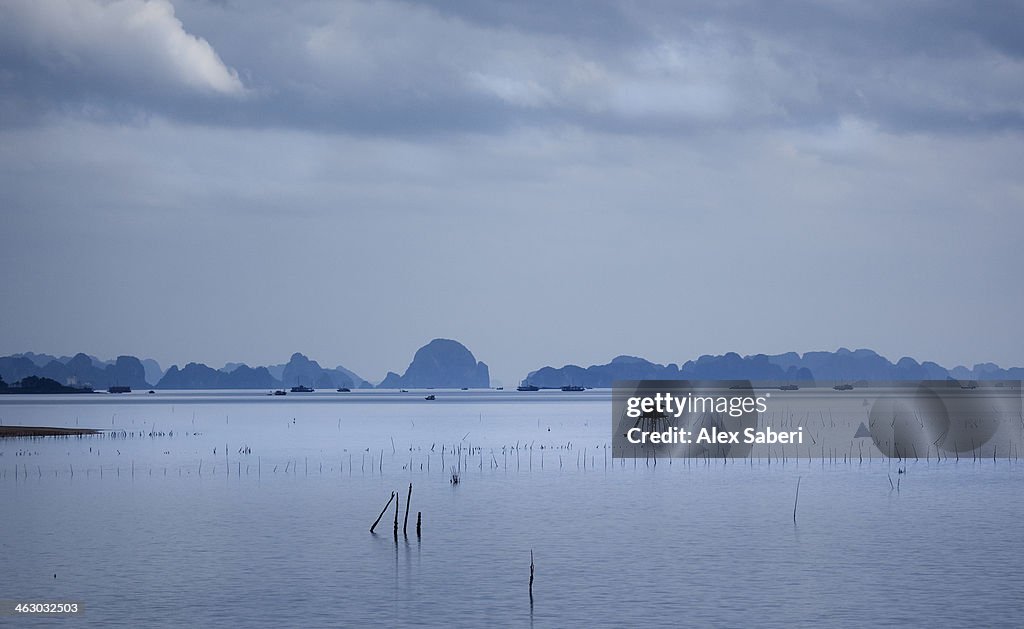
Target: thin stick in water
[
  {"x": 797, "y": 499},
  {"x": 405, "y": 524},
  {"x": 396, "y": 516},
  {"x": 531, "y": 575},
  {"x": 382, "y": 512}
]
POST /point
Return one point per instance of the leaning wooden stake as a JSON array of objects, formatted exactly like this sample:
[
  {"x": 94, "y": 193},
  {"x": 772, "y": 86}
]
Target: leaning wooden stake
[
  {"x": 797, "y": 499},
  {"x": 405, "y": 524},
  {"x": 382, "y": 512},
  {"x": 419, "y": 522}
]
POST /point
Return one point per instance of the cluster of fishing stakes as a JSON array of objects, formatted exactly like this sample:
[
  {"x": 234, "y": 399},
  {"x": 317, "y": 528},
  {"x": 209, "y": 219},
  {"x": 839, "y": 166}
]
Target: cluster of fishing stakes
[{"x": 405, "y": 523}]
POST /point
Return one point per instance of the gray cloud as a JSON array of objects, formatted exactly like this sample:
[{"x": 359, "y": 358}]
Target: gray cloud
[
  {"x": 546, "y": 182},
  {"x": 399, "y": 68}
]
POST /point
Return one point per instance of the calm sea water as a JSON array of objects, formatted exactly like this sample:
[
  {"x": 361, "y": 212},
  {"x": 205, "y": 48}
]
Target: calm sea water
[{"x": 256, "y": 510}]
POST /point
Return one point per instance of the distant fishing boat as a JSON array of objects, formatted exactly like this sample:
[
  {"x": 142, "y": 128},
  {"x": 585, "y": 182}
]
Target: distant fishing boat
[
  {"x": 465, "y": 388},
  {"x": 573, "y": 388},
  {"x": 119, "y": 389},
  {"x": 344, "y": 390},
  {"x": 789, "y": 387},
  {"x": 430, "y": 397},
  {"x": 843, "y": 387},
  {"x": 499, "y": 388},
  {"x": 280, "y": 392},
  {"x": 301, "y": 389},
  {"x": 527, "y": 387}
]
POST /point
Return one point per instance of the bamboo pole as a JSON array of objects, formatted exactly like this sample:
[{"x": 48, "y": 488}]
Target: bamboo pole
[
  {"x": 382, "y": 512},
  {"x": 405, "y": 524},
  {"x": 396, "y": 516},
  {"x": 531, "y": 575},
  {"x": 797, "y": 499}
]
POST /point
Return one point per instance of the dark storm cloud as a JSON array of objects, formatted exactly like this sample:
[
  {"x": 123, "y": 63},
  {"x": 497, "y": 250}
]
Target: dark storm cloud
[{"x": 402, "y": 68}]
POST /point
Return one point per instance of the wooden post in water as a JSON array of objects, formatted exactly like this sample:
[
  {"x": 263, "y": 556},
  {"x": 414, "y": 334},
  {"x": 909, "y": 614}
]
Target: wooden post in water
[
  {"x": 405, "y": 524},
  {"x": 419, "y": 522},
  {"x": 797, "y": 499},
  {"x": 382, "y": 512},
  {"x": 531, "y": 576},
  {"x": 396, "y": 516}
]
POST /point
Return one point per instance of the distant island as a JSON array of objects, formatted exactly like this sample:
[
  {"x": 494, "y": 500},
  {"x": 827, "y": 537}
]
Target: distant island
[
  {"x": 446, "y": 363},
  {"x": 35, "y": 384},
  {"x": 79, "y": 370},
  {"x": 843, "y": 365},
  {"x": 441, "y": 364}
]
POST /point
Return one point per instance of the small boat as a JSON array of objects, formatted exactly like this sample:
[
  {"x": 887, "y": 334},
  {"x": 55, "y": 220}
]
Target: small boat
[
  {"x": 430, "y": 397},
  {"x": 119, "y": 389},
  {"x": 527, "y": 387},
  {"x": 499, "y": 388},
  {"x": 301, "y": 389},
  {"x": 843, "y": 387},
  {"x": 280, "y": 392},
  {"x": 465, "y": 389},
  {"x": 344, "y": 390},
  {"x": 152, "y": 391},
  {"x": 573, "y": 388},
  {"x": 789, "y": 387}
]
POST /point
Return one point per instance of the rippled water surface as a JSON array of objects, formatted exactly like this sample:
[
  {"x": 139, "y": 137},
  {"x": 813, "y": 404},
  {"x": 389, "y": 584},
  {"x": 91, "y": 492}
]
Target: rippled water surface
[{"x": 249, "y": 510}]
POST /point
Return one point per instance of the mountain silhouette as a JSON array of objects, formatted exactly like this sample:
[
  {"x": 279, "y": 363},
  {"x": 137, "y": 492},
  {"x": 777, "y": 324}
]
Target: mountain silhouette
[{"x": 442, "y": 364}]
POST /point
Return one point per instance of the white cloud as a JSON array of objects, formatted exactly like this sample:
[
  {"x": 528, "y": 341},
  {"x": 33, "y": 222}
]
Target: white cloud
[{"x": 136, "y": 41}]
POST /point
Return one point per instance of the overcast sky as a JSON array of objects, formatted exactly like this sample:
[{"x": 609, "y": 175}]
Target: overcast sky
[{"x": 545, "y": 182}]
